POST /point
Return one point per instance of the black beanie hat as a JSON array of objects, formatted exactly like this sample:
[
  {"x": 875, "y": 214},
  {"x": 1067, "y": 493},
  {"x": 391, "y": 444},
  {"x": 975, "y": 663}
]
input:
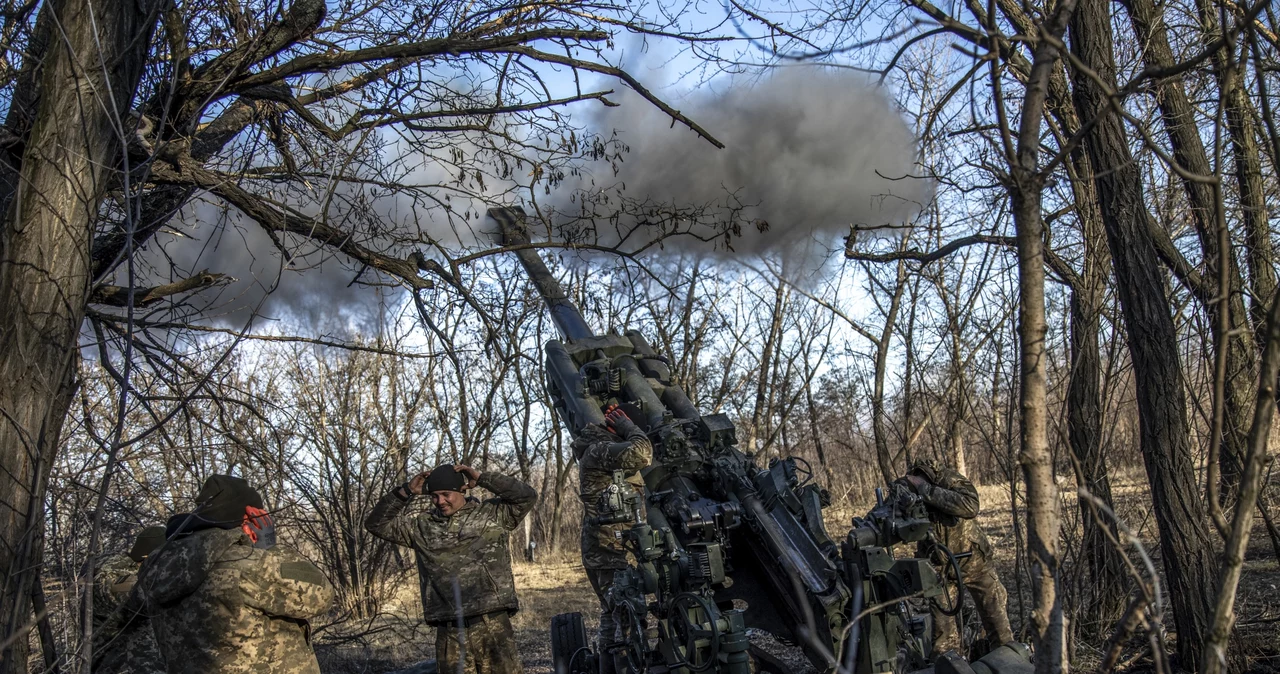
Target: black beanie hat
[
  {"x": 222, "y": 500},
  {"x": 445, "y": 478},
  {"x": 147, "y": 542}
]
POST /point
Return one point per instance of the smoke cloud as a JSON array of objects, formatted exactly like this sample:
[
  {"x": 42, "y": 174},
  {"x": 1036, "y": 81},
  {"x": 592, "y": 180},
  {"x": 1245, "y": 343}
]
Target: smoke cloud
[
  {"x": 300, "y": 283},
  {"x": 808, "y": 153}
]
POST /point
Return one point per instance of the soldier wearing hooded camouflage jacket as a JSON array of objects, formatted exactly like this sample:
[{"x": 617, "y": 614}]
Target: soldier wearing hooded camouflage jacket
[
  {"x": 953, "y": 504},
  {"x": 224, "y": 598},
  {"x": 218, "y": 604},
  {"x": 463, "y": 555}
]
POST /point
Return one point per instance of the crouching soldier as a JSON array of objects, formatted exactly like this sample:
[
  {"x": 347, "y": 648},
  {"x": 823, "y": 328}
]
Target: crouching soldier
[
  {"x": 224, "y": 597},
  {"x": 952, "y": 501},
  {"x": 601, "y": 449},
  {"x": 468, "y": 591},
  {"x": 122, "y": 635}
]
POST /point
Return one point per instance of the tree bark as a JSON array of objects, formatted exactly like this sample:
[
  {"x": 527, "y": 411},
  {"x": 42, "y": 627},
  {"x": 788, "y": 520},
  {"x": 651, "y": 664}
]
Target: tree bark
[
  {"x": 1164, "y": 434},
  {"x": 879, "y": 430},
  {"x": 90, "y": 73},
  {"x": 1259, "y": 255},
  {"x": 1043, "y": 502},
  {"x": 759, "y": 411},
  {"x": 1104, "y": 587},
  {"x": 1104, "y": 594},
  {"x": 1219, "y": 634},
  {"x": 1179, "y": 119}
]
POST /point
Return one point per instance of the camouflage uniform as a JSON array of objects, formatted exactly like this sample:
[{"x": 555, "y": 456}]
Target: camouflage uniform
[
  {"x": 953, "y": 502},
  {"x": 490, "y": 646},
  {"x": 219, "y": 604},
  {"x": 465, "y": 555},
  {"x": 600, "y": 453},
  {"x": 112, "y": 582},
  {"x": 123, "y": 637}
]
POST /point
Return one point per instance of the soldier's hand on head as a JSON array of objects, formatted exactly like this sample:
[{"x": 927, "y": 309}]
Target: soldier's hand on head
[
  {"x": 473, "y": 475},
  {"x": 617, "y": 421},
  {"x": 916, "y": 483},
  {"x": 417, "y": 483}
]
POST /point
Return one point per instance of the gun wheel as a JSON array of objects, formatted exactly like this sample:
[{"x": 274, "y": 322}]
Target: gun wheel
[
  {"x": 569, "y": 650},
  {"x": 693, "y": 624}
]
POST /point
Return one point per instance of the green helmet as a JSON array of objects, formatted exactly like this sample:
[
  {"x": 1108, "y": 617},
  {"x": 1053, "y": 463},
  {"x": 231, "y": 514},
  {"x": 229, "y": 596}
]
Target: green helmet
[{"x": 147, "y": 542}]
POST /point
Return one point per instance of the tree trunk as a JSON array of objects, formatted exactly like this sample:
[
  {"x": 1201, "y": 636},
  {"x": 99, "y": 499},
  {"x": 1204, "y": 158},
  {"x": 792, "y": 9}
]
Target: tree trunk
[
  {"x": 1164, "y": 435},
  {"x": 879, "y": 431},
  {"x": 1219, "y": 634},
  {"x": 759, "y": 412},
  {"x": 74, "y": 141},
  {"x": 957, "y": 406},
  {"x": 1026, "y": 183},
  {"x": 1104, "y": 587},
  {"x": 814, "y": 428},
  {"x": 1259, "y": 255},
  {"x": 1043, "y": 519},
  {"x": 1179, "y": 119}
]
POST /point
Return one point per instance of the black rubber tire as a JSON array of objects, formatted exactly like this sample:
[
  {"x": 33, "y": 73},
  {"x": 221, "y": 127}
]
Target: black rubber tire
[{"x": 569, "y": 639}]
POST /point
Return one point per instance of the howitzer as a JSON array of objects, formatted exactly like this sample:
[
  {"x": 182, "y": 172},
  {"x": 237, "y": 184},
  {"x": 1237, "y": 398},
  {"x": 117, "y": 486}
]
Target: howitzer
[{"x": 721, "y": 544}]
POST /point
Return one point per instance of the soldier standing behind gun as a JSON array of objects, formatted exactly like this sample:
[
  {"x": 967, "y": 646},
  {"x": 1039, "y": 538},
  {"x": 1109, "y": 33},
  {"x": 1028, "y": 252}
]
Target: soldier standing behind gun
[
  {"x": 224, "y": 598},
  {"x": 469, "y": 593},
  {"x": 619, "y": 444},
  {"x": 953, "y": 505},
  {"x": 122, "y": 634}
]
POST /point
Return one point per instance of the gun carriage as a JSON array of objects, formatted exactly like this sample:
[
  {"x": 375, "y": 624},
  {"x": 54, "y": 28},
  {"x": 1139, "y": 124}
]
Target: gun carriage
[{"x": 722, "y": 544}]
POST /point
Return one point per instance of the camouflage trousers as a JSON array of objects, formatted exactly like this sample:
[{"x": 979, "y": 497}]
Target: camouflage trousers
[
  {"x": 989, "y": 596},
  {"x": 601, "y": 581},
  {"x": 487, "y": 645}
]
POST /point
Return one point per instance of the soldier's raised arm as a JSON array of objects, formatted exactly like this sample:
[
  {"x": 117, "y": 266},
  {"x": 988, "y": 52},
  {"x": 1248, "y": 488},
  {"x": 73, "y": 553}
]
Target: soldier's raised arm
[
  {"x": 952, "y": 494},
  {"x": 632, "y": 453},
  {"x": 514, "y": 498},
  {"x": 388, "y": 521}
]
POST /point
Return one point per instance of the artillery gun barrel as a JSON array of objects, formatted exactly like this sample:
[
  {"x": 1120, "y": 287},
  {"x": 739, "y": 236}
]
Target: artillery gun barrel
[
  {"x": 564, "y": 314},
  {"x": 698, "y": 576}
]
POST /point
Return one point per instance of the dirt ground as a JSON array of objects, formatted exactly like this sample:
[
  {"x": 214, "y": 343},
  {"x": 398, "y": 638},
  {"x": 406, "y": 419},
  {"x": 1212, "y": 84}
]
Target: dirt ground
[{"x": 559, "y": 585}]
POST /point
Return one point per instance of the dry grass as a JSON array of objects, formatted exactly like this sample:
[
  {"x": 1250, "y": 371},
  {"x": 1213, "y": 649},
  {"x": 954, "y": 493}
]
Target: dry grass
[
  {"x": 554, "y": 585},
  {"x": 559, "y": 585},
  {"x": 550, "y": 587}
]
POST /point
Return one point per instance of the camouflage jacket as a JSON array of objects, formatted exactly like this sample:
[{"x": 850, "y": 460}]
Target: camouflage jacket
[
  {"x": 467, "y": 550},
  {"x": 218, "y": 604},
  {"x": 953, "y": 503},
  {"x": 112, "y": 582},
  {"x": 600, "y": 453},
  {"x": 123, "y": 640}
]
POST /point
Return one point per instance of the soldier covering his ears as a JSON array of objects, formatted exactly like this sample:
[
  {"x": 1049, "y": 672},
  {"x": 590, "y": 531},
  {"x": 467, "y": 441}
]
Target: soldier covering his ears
[
  {"x": 463, "y": 555},
  {"x": 618, "y": 444}
]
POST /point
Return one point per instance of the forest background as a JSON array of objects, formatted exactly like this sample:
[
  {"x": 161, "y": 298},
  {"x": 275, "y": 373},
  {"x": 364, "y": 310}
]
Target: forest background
[{"x": 248, "y": 237}]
